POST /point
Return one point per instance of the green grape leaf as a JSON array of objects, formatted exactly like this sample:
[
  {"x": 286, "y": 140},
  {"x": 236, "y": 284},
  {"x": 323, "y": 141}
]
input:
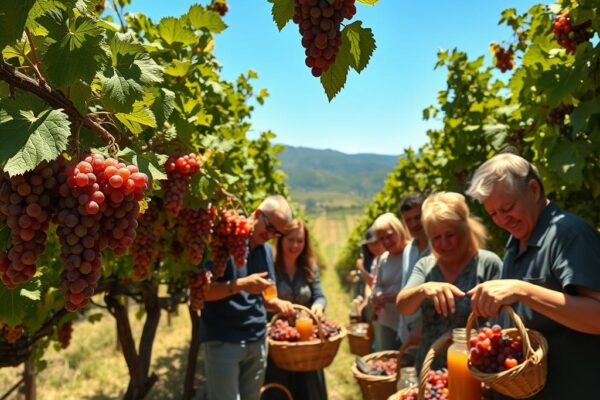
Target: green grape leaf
[
  {"x": 282, "y": 11},
  {"x": 75, "y": 48},
  {"x": 13, "y": 15},
  {"x": 368, "y": 2},
  {"x": 93, "y": 318},
  {"x": 201, "y": 18},
  {"x": 178, "y": 68},
  {"x": 334, "y": 79},
  {"x": 173, "y": 30},
  {"x": 151, "y": 164},
  {"x": 163, "y": 105},
  {"x": 28, "y": 139},
  {"x": 584, "y": 110},
  {"x": 362, "y": 44},
  {"x": 136, "y": 120},
  {"x": 17, "y": 303}
]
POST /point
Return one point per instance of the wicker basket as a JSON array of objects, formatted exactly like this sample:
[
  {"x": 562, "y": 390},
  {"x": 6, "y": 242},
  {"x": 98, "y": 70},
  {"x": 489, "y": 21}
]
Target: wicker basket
[
  {"x": 380, "y": 387},
  {"x": 309, "y": 355},
  {"x": 360, "y": 344},
  {"x": 438, "y": 348},
  {"x": 276, "y": 386},
  {"x": 523, "y": 380}
]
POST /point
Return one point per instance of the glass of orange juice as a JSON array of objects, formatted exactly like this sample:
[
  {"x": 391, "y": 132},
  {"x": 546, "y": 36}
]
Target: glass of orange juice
[
  {"x": 270, "y": 292},
  {"x": 304, "y": 325}
]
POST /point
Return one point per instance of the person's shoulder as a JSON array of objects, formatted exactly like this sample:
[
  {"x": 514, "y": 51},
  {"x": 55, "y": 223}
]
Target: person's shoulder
[
  {"x": 566, "y": 224},
  {"x": 489, "y": 258},
  {"x": 426, "y": 263}
]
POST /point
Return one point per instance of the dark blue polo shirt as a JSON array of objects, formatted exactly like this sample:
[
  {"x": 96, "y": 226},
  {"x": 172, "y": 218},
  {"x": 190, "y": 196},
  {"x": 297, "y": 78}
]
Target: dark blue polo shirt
[
  {"x": 242, "y": 316},
  {"x": 563, "y": 252}
]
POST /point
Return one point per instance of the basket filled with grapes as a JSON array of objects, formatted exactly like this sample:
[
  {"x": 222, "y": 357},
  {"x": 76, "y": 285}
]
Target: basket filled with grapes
[
  {"x": 303, "y": 342},
  {"x": 511, "y": 361},
  {"x": 377, "y": 373}
]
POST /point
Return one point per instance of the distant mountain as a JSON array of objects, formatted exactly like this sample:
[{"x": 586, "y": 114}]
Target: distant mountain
[{"x": 320, "y": 176}]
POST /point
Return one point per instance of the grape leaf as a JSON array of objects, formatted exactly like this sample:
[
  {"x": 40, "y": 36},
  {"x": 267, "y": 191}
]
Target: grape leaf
[
  {"x": 282, "y": 11},
  {"x": 131, "y": 72},
  {"x": 173, "y": 30},
  {"x": 136, "y": 120},
  {"x": 334, "y": 79},
  {"x": 201, "y": 18},
  {"x": 151, "y": 164},
  {"x": 362, "y": 44},
  {"x": 28, "y": 139},
  {"x": 368, "y": 2},
  {"x": 75, "y": 48},
  {"x": 163, "y": 105},
  {"x": 16, "y": 303},
  {"x": 13, "y": 15},
  {"x": 178, "y": 68}
]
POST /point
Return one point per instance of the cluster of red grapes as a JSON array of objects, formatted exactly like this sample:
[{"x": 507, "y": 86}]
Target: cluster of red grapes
[
  {"x": 282, "y": 331},
  {"x": 97, "y": 208},
  {"x": 230, "y": 239},
  {"x": 329, "y": 328},
  {"x": 383, "y": 366},
  {"x": 219, "y": 7},
  {"x": 144, "y": 247},
  {"x": 180, "y": 168},
  {"x": 197, "y": 228},
  {"x": 503, "y": 58},
  {"x": 319, "y": 23},
  {"x": 557, "y": 115},
  {"x": 11, "y": 335},
  {"x": 64, "y": 334},
  {"x": 436, "y": 386},
  {"x": 412, "y": 394},
  {"x": 492, "y": 352},
  {"x": 27, "y": 203},
  {"x": 199, "y": 284},
  {"x": 569, "y": 36}
]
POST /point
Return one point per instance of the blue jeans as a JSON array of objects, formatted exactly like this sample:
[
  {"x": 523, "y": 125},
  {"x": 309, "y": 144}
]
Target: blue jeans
[{"x": 234, "y": 368}]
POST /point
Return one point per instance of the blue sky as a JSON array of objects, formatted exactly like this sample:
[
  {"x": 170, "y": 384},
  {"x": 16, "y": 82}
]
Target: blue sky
[{"x": 378, "y": 111}]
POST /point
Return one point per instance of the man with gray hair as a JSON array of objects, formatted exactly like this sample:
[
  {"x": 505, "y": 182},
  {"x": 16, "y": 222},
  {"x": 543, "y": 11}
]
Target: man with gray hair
[
  {"x": 233, "y": 321},
  {"x": 551, "y": 273}
]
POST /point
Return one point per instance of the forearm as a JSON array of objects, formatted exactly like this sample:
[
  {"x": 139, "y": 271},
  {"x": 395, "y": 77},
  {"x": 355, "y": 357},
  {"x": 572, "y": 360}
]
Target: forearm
[
  {"x": 408, "y": 301},
  {"x": 221, "y": 290},
  {"x": 571, "y": 311}
]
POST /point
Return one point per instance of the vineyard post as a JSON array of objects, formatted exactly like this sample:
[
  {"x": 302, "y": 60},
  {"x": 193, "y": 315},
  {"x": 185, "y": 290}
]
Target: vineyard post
[
  {"x": 29, "y": 377},
  {"x": 190, "y": 371}
]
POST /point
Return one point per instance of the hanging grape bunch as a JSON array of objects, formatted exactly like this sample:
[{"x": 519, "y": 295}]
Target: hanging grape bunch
[
  {"x": 197, "y": 228},
  {"x": 220, "y": 7},
  {"x": 557, "y": 115},
  {"x": 199, "y": 284},
  {"x": 64, "y": 334},
  {"x": 180, "y": 168},
  {"x": 11, "y": 334},
  {"x": 144, "y": 247},
  {"x": 97, "y": 208},
  {"x": 503, "y": 58},
  {"x": 230, "y": 239},
  {"x": 27, "y": 203},
  {"x": 319, "y": 23},
  {"x": 569, "y": 36}
]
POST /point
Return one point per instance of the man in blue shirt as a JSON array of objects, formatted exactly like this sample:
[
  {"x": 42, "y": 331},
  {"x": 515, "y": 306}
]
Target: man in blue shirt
[
  {"x": 551, "y": 273},
  {"x": 233, "y": 321}
]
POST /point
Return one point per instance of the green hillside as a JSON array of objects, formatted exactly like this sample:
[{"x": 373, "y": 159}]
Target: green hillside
[{"x": 331, "y": 179}]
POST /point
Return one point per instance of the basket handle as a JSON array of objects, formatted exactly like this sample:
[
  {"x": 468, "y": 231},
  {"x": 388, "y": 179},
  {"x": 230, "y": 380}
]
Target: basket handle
[
  {"x": 278, "y": 386},
  {"x": 312, "y": 315},
  {"x": 518, "y": 324},
  {"x": 401, "y": 351},
  {"x": 442, "y": 343}
]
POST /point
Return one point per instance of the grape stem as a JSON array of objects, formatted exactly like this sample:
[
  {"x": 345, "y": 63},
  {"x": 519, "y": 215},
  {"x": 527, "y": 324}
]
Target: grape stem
[
  {"x": 56, "y": 99},
  {"x": 36, "y": 62}
]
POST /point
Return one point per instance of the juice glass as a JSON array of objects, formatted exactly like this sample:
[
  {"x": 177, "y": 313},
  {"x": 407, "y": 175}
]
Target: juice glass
[
  {"x": 270, "y": 292},
  {"x": 461, "y": 384},
  {"x": 304, "y": 325}
]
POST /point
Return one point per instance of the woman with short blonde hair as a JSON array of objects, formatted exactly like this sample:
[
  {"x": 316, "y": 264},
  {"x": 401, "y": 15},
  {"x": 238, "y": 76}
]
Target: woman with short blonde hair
[{"x": 438, "y": 283}]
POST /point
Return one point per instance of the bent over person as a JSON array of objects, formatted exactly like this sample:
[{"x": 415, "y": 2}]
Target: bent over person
[
  {"x": 551, "y": 273},
  {"x": 234, "y": 320}
]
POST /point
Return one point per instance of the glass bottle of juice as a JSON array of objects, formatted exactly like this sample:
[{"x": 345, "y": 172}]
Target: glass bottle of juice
[
  {"x": 461, "y": 384},
  {"x": 304, "y": 325}
]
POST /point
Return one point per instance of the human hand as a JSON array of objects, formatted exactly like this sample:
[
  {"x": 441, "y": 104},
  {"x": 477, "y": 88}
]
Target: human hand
[
  {"x": 254, "y": 283},
  {"x": 317, "y": 309},
  {"x": 488, "y": 297},
  {"x": 281, "y": 306},
  {"x": 442, "y": 294}
]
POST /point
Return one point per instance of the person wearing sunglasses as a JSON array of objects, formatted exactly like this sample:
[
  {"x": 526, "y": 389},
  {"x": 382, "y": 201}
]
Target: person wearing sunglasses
[{"x": 233, "y": 323}]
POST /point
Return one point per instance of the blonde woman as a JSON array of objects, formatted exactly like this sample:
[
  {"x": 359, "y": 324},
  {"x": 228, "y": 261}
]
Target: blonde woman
[
  {"x": 439, "y": 282},
  {"x": 394, "y": 236}
]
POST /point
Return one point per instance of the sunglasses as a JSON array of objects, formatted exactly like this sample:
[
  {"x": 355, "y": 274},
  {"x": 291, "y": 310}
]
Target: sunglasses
[{"x": 270, "y": 227}]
